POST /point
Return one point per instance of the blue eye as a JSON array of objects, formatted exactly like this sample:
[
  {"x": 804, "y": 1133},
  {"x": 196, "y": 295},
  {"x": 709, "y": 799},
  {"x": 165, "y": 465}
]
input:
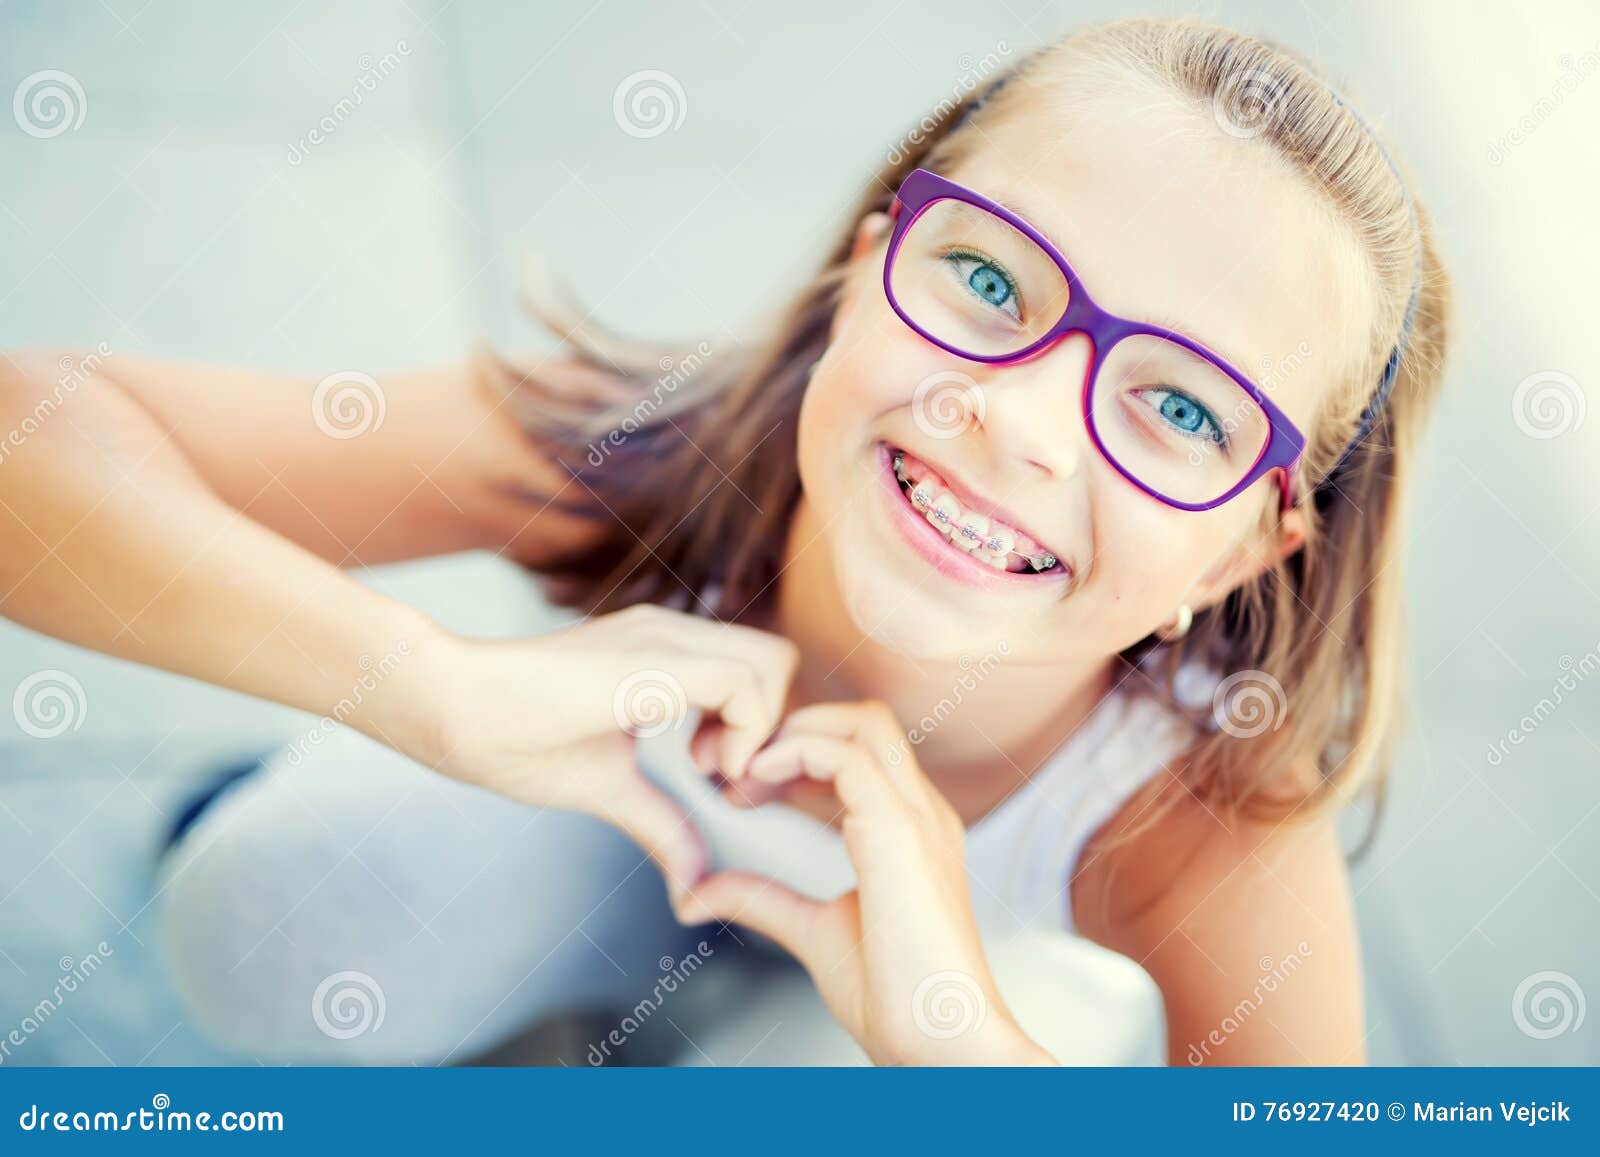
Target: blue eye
[
  {"x": 1187, "y": 415},
  {"x": 988, "y": 282}
]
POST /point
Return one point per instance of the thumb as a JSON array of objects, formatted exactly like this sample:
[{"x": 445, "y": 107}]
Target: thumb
[{"x": 762, "y": 905}]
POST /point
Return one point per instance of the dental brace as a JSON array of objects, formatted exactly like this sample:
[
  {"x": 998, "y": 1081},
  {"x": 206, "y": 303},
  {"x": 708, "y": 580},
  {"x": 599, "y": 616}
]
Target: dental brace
[{"x": 922, "y": 499}]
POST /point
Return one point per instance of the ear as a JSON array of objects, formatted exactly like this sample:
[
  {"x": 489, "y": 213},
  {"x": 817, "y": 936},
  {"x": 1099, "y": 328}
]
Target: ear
[
  {"x": 1250, "y": 559},
  {"x": 871, "y": 229}
]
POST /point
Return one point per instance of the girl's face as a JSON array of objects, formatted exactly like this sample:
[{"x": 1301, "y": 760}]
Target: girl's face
[{"x": 1166, "y": 219}]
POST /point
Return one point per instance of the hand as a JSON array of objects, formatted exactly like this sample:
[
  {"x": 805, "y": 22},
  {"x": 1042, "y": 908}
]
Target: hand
[
  {"x": 898, "y": 961},
  {"x": 553, "y": 720}
]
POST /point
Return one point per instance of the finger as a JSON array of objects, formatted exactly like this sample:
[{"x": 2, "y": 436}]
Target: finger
[
  {"x": 771, "y": 658},
  {"x": 814, "y": 933},
  {"x": 857, "y": 778},
  {"x": 872, "y": 726},
  {"x": 729, "y": 688},
  {"x": 654, "y": 821},
  {"x": 705, "y": 746}
]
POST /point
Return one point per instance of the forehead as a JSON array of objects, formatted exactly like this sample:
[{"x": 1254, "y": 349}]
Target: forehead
[{"x": 1168, "y": 220}]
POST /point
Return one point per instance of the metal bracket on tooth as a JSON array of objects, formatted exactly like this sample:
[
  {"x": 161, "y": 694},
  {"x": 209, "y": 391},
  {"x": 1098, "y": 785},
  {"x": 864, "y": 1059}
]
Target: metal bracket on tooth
[{"x": 921, "y": 499}]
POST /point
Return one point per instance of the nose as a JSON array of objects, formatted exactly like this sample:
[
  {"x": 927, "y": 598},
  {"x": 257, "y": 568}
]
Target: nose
[{"x": 1034, "y": 409}]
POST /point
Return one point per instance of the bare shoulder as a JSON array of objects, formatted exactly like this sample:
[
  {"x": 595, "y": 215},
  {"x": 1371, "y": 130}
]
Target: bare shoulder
[{"x": 1247, "y": 926}]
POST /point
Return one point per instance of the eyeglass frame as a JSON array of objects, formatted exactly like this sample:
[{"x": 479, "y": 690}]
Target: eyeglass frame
[{"x": 921, "y": 189}]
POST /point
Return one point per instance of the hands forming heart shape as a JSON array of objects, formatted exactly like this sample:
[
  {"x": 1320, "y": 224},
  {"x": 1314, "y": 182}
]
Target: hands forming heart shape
[{"x": 552, "y": 721}]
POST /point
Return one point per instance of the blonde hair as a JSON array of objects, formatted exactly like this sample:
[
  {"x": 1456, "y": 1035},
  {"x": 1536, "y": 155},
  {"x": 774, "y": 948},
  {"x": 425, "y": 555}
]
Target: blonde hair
[{"x": 1321, "y": 632}]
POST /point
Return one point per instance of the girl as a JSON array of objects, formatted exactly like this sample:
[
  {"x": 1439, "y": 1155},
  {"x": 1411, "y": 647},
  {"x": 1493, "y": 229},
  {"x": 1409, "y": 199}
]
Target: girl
[{"x": 1048, "y": 548}]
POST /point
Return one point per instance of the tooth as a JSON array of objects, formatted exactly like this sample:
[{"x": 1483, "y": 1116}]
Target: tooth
[
  {"x": 921, "y": 496},
  {"x": 1001, "y": 541},
  {"x": 944, "y": 512},
  {"x": 970, "y": 531}
]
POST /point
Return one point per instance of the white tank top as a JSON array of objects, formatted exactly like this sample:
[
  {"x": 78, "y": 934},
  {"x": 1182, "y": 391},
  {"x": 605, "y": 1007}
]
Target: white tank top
[{"x": 1021, "y": 856}]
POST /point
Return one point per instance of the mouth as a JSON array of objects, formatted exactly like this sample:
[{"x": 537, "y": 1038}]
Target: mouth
[{"x": 961, "y": 529}]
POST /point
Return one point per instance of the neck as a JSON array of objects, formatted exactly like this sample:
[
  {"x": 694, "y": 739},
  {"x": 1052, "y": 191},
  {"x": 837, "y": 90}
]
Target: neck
[{"x": 980, "y": 712}]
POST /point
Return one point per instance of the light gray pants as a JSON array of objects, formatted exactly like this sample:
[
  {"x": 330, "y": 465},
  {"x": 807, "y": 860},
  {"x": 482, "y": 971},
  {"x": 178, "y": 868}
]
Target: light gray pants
[{"x": 358, "y": 908}]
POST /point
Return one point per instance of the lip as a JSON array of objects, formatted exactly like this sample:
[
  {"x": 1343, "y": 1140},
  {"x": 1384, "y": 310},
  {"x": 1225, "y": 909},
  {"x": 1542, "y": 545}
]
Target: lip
[{"x": 936, "y": 550}]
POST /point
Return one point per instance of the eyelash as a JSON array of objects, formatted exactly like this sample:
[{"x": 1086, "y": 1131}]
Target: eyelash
[
  {"x": 1219, "y": 439},
  {"x": 984, "y": 259}
]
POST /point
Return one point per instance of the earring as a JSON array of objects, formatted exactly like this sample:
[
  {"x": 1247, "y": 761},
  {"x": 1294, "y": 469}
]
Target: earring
[{"x": 1178, "y": 627}]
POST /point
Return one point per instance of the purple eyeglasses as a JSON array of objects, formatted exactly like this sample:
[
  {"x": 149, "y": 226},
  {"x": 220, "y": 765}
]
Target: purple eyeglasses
[{"x": 1172, "y": 417}]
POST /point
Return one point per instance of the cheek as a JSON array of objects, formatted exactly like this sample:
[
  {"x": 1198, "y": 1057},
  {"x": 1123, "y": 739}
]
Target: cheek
[
  {"x": 1149, "y": 556},
  {"x": 862, "y": 379}
]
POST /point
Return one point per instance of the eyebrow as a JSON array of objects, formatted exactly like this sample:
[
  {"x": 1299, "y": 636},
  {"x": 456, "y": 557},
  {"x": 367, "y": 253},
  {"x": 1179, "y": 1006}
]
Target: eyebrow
[{"x": 1165, "y": 321}]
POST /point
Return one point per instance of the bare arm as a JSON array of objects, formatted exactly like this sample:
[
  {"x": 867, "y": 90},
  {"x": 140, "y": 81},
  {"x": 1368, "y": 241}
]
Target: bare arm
[
  {"x": 1249, "y": 930},
  {"x": 181, "y": 515}
]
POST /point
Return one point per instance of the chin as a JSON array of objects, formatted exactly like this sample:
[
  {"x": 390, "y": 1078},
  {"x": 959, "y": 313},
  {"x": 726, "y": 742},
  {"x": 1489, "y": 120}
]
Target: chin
[{"x": 914, "y": 622}]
